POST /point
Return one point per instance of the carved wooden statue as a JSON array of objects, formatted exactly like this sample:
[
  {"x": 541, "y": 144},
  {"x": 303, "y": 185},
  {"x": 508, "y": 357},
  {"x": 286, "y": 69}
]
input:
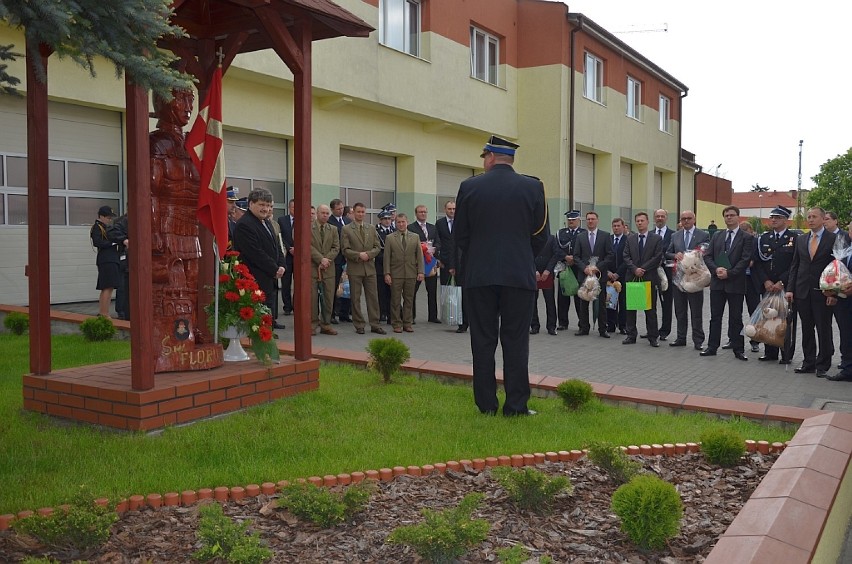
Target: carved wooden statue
[{"x": 178, "y": 341}]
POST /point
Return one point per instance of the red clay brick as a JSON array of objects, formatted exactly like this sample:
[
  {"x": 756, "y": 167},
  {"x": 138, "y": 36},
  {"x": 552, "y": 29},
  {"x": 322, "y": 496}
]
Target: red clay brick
[
  {"x": 98, "y": 405},
  {"x": 175, "y": 405},
  {"x": 60, "y": 411},
  {"x": 135, "y": 411},
  {"x": 169, "y": 418},
  {"x": 146, "y": 424},
  {"x": 209, "y": 397},
  {"x": 150, "y": 396},
  {"x": 112, "y": 421},
  {"x": 58, "y": 386},
  {"x": 225, "y": 382},
  {"x": 295, "y": 380},
  {"x": 240, "y": 391},
  {"x": 225, "y": 406},
  {"x": 112, "y": 395},
  {"x": 281, "y": 393},
  {"x": 85, "y": 415},
  {"x": 73, "y": 401},
  {"x": 84, "y": 390},
  {"x": 310, "y": 386},
  {"x": 192, "y": 388},
  {"x": 34, "y": 381},
  {"x": 193, "y": 414},
  {"x": 271, "y": 384},
  {"x": 34, "y": 405},
  {"x": 254, "y": 376},
  {"x": 283, "y": 370},
  {"x": 255, "y": 399},
  {"x": 28, "y": 393},
  {"x": 639, "y": 395},
  {"x": 45, "y": 396}
]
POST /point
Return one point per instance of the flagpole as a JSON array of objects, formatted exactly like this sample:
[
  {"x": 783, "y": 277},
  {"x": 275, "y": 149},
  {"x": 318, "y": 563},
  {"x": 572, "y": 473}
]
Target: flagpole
[{"x": 216, "y": 292}]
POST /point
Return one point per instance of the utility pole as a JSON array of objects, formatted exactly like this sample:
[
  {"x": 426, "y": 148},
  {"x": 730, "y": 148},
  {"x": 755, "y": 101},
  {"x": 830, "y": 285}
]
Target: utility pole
[{"x": 799, "y": 189}]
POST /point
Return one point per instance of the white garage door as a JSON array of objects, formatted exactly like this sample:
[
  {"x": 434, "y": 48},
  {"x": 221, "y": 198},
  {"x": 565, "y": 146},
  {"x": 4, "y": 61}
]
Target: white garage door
[
  {"x": 255, "y": 161},
  {"x": 625, "y": 192},
  {"x": 368, "y": 178},
  {"x": 449, "y": 177},
  {"x": 584, "y": 182}
]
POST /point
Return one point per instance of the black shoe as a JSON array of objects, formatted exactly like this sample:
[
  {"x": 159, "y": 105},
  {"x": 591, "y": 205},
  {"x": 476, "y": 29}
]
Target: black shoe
[
  {"x": 533, "y": 331},
  {"x": 654, "y": 343},
  {"x": 783, "y": 361},
  {"x": 622, "y": 331},
  {"x": 461, "y": 329},
  {"x": 727, "y": 345},
  {"x": 804, "y": 369},
  {"x": 663, "y": 337},
  {"x": 740, "y": 356},
  {"x": 580, "y": 333},
  {"x": 755, "y": 348},
  {"x": 840, "y": 376},
  {"x": 698, "y": 347},
  {"x": 562, "y": 327},
  {"x": 629, "y": 341},
  {"x": 677, "y": 344},
  {"x": 605, "y": 335},
  {"x": 708, "y": 352},
  {"x": 383, "y": 318},
  {"x": 765, "y": 358},
  {"x": 434, "y": 321},
  {"x": 645, "y": 336},
  {"x": 822, "y": 373},
  {"x": 551, "y": 331},
  {"x": 277, "y": 325},
  {"x": 346, "y": 319},
  {"x": 288, "y": 312},
  {"x": 334, "y": 321}
]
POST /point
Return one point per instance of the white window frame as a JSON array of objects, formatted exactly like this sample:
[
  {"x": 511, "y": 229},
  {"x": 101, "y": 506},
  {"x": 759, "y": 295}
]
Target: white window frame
[
  {"x": 484, "y": 56},
  {"x": 593, "y": 73},
  {"x": 634, "y": 98},
  {"x": 399, "y": 25},
  {"x": 665, "y": 114}
]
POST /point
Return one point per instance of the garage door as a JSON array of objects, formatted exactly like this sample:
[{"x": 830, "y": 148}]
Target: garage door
[
  {"x": 449, "y": 177},
  {"x": 584, "y": 182},
  {"x": 657, "y": 194},
  {"x": 625, "y": 192},
  {"x": 255, "y": 161},
  {"x": 368, "y": 178}
]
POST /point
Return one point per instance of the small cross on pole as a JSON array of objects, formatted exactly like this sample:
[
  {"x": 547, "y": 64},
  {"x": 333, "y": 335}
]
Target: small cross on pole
[{"x": 220, "y": 55}]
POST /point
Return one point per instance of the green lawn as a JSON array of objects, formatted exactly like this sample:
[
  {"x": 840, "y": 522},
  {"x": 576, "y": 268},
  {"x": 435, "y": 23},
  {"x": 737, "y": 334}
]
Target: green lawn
[{"x": 353, "y": 422}]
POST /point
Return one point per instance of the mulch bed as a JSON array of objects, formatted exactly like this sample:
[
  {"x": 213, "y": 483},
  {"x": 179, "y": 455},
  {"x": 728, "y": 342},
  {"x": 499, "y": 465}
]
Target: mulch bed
[{"x": 581, "y": 529}]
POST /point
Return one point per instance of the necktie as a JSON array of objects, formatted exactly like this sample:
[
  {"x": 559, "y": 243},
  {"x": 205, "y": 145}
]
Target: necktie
[
  {"x": 322, "y": 234},
  {"x": 814, "y": 244},
  {"x": 450, "y": 225},
  {"x": 641, "y": 244},
  {"x": 592, "y": 240},
  {"x": 686, "y": 239},
  {"x": 660, "y": 232},
  {"x": 617, "y": 239},
  {"x": 265, "y": 226},
  {"x": 424, "y": 230},
  {"x": 728, "y": 240},
  {"x": 404, "y": 242}
]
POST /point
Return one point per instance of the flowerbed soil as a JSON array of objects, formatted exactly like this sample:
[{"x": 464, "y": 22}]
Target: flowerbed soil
[{"x": 581, "y": 528}]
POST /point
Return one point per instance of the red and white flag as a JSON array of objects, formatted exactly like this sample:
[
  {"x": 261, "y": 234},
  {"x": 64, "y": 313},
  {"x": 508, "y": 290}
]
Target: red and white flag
[{"x": 204, "y": 143}]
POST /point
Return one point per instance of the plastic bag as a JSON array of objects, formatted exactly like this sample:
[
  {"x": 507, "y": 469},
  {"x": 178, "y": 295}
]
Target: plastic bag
[
  {"x": 834, "y": 277},
  {"x": 590, "y": 288},
  {"x": 664, "y": 280},
  {"x": 692, "y": 275},
  {"x": 568, "y": 284},
  {"x": 768, "y": 323},
  {"x": 612, "y": 295},
  {"x": 451, "y": 298}
]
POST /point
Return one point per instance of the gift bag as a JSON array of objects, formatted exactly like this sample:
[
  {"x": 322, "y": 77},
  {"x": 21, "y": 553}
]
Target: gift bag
[
  {"x": 768, "y": 323},
  {"x": 611, "y": 296},
  {"x": 590, "y": 289},
  {"x": 691, "y": 274},
  {"x": 834, "y": 277},
  {"x": 451, "y": 297},
  {"x": 638, "y": 297},
  {"x": 568, "y": 284}
]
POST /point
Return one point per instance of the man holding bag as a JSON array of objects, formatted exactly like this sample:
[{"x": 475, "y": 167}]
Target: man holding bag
[{"x": 642, "y": 255}]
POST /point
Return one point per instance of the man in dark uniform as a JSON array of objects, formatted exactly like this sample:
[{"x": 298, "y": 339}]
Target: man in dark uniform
[
  {"x": 119, "y": 232},
  {"x": 563, "y": 250},
  {"x": 772, "y": 264},
  {"x": 544, "y": 279},
  {"x": 383, "y": 229},
  {"x": 499, "y": 273},
  {"x": 108, "y": 258}
]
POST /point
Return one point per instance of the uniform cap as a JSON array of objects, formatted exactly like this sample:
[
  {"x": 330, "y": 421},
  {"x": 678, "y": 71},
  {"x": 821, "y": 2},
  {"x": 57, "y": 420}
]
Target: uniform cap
[
  {"x": 385, "y": 214},
  {"x": 233, "y": 192},
  {"x": 497, "y": 145},
  {"x": 242, "y": 203},
  {"x": 572, "y": 214},
  {"x": 781, "y": 211},
  {"x": 106, "y": 211},
  {"x": 389, "y": 207}
]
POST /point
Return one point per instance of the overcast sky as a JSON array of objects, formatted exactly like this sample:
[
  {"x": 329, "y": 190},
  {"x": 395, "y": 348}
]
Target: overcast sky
[{"x": 761, "y": 76}]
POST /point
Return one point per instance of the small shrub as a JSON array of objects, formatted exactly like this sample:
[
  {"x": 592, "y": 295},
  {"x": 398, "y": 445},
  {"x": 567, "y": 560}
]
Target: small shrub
[
  {"x": 445, "y": 535},
  {"x": 722, "y": 446},
  {"x": 85, "y": 525},
  {"x": 530, "y": 488},
  {"x": 387, "y": 355},
  {"x": 17, "y": 322},
  {"x": 575, "y": 393},
  {"x": 322, "y": 506},
  {"x": 650, "y": 510},
  {"x": 98, "y": 329},
  {"x": 515, "y": 554},
  {"x": 222, "y": 538},
  {"x": 612, "y": 460}
]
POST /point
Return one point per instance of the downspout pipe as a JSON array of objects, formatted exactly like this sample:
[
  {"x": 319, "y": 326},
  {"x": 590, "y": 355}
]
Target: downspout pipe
[
  {"x": 680, "y": 152},
  {"x": 571, "y": 112}
]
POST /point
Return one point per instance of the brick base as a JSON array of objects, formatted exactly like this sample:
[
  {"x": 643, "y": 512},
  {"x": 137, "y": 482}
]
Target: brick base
[{"x": 101, "y": 394}]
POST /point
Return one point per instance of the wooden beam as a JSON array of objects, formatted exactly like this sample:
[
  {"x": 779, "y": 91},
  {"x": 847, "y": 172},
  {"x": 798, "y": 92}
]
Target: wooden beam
[
  {"x": 38, "y": 213},
  {"x": 139, "y": 236},
  {"x": 282, "y": 41}
]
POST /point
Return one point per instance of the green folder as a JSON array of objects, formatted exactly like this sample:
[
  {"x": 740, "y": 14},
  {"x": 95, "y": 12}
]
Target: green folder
[{"x": 723, "y": 260}]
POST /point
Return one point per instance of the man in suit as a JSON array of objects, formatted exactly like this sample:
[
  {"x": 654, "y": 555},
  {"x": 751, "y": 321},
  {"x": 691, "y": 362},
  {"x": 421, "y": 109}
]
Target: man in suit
[
  {"x": 285, "y": 225},
  {"x": 361, "y": 246},
  {"x": 811, "y": 255},
  {"x": 383, "y": 229},
  {"x": 499, "y": 272},
  {"x": 643, "y": 254},
  {"x": 771, "y": 265},
  {"x": 727, "y": 258},
  {"x": 617, "y": 318},
  {"x": 593, "y": 243},
  {"x": 563, "y": 250},
  {"x": 232, "y": 196},
  {"x": 687, "y": 238},
  {"x": 403, "y": 268},
  {"x": 325, "y": 246},
  {"x": 428, "y": 233},
  {"x": 450, "y": 255},
  {"x": 258, "y": 248},
  {"x": 843, "y": 314},
  {"x": 276, "y": 232},
  {"x": 338, "y": 220},
  {"x": 544, "y": 279},
  {"x": 661, "y": 216}
]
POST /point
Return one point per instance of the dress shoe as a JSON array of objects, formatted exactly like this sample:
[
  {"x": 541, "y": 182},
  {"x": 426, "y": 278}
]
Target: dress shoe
[
  {"x": 334, "y": 321},
  {"x": 360, "y": 331},
  {"x": 328, "y": 331},
  {"x": 461, "y": 329},
  {"x": 346, "y": 319},
  {"x": 397, "y": 329},
  {"x": 698, "y": 347},
  {"x": 765, "y": 358},
  {"x": 551, "y": 332},
  {"x": 804, "y": 369},
  {"x": 740, "y": 356},
  {"x": 664, "y": 337},
  {"x": 604, "y": 335},
  {"x": 622, "y": 331},
  {"x": 629, "y": 341},
  {"x": 277, "y": 325},
  {"x": 408, "y": 329},
  {"x": 533, "y": 331},
  {"x": 727, "y": 345},
  {"x": 708, "y": 352},
  {"x": 783, "y": 361},
  {"x": 654, "y": 343},
  {"x": 562, "y": 327},
  {"x": 645, "y": 336},
  {"x": 840, "y": 376},
  {"x": 677, "y": 344},
  {"x": 378, "y": 330},
  {"x": 383, "y": 318},
  {"x": 315, "y": 331},
  {"x": 434, "y": 321},
  {"x": 822, "y": 373},
  {"x": 288, "y": 312},
  {"x": 755, "y": 348},
  {"x": 581, "y": 333}
]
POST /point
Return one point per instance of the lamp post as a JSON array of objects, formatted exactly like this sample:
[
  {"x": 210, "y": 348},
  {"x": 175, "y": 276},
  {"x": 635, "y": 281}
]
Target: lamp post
[
  {"x": 760, "y": 216},
  {"x": 799, "y": 189}
]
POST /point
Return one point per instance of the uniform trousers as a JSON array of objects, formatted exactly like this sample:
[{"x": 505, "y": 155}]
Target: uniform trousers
[
  {"x": 693, "y": 302},
  {"x": 504, "y": 313},
  {"x": 367, "y": 283},
  {"x": 815, "y": 315},
  {"x": 431, "y": 283},
  {"x": 718, "y": 300},
  {"x": 843, "y": 314},
  {"x": 549, "y": 307},
  {"x": 402, "y": 289}
]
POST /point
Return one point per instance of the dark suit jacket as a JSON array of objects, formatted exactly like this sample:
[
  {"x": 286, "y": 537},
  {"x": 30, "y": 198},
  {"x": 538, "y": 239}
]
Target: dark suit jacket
[
  {"x": 433, "y": 236},
  {"x": 448, "y": 244},
  {"x": 677, "y": 243},
  {"x": 103, "y": 240},
  {"x": 501, "y": 225},
  {"x": 618, "y": 265},
  {"x": 286, "y": 237},
  {"x": 649, "y": 259},
  {"x": 603, "y": 250},
  {"x": 805, "y": 271},
  {"x": 258, "y": 250},
  {"x": 339, "y": 223},
  {"x": 740, "y": 254}
]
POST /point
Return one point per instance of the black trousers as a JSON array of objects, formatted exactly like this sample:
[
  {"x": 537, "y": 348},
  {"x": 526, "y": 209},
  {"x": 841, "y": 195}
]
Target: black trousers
[
  {"x": 287, "y": 285},
  {"x": 691, "y": 304},
  {"x": 617, "y": 318},
  {"x": 718, "y": 300},
  {"x": 500, "y": 313},
  {"x": 582, "y": 307},
  {"x": 383, "y": 290},
  {"x": 843, "y": 315},
  {"x": 431, "y": 283},
  {"x": 650, "y": 319},
  {"x": 549, "y": 307},
  {"x": 667, "y": 306},
  {"x": 816, "y": 317}
]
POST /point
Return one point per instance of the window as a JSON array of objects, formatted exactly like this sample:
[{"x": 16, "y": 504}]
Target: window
[
  {"x": 593, "y": 79},
  {"x": 484, "y": 56},
  {"x": 665, "y": 113},
  {"x": 399, "y": 25},
  {"x": 634, "y": 98}
]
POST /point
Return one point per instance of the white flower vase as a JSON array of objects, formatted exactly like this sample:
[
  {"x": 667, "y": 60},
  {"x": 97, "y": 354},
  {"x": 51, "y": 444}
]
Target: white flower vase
[{"x": 235, "y": 351}]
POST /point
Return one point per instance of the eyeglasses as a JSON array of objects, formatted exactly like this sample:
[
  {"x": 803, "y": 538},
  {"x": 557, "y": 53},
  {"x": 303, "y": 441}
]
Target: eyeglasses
[{"x": 686, "y": 218}]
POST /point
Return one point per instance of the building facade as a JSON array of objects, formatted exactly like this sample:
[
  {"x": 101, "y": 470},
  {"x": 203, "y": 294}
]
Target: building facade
[{"x": 400, "y": 116}]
